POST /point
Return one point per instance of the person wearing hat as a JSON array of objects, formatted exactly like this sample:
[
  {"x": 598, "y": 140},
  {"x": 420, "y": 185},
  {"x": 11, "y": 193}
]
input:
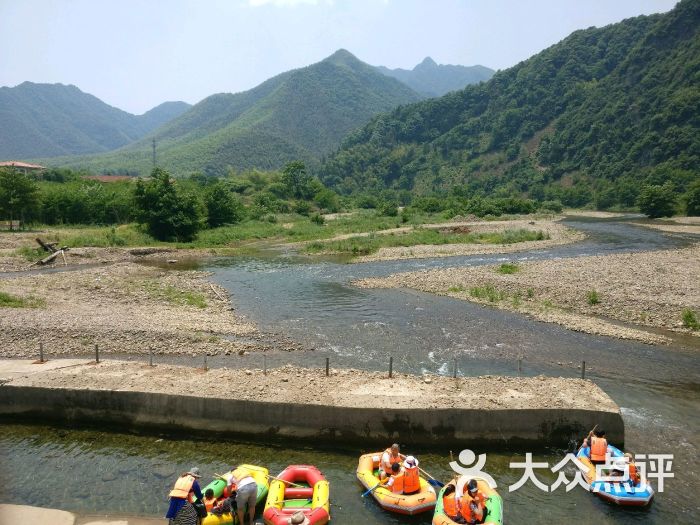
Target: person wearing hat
[
  {"x": 186, "y": 489},
  {"x": 298, "y": 518},
  {"x": 411, "y": 480},
  {"x": 473, "y": 506}
]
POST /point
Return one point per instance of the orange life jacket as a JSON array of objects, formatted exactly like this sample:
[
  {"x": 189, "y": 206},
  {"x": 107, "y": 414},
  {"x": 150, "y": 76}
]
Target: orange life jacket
[
  {"x": 634, "y": 474},
  {"x": 397, "y": 485},
  {"x": 183, "y": 488},
  {"x": 599, "y": 447},
  {"x": 479, "y": 499},
  {"x": 469, "y": 515},
  {"x": 411, "y": 481},
  {"x": 209, "y": 503},
  {"x": 449, "y": 505},
  {"x": 392, "y": 459}
]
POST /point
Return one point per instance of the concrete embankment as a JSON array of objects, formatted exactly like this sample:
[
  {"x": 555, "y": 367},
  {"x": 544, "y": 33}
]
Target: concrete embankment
[
  {"x": 348, "y": 407},
  {"x": 26, "y": 515}
]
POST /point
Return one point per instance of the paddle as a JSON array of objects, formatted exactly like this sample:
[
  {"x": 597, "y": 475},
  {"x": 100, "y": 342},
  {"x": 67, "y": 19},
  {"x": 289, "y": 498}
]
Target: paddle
[
  {"x": 435, "y": 483},
  {"x": 370, "y": 490}
]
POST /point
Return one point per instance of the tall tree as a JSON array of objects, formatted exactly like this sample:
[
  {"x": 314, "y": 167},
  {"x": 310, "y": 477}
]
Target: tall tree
[
  {"x": 19, "y": 195},
  {"x": 167, "y": 211}
]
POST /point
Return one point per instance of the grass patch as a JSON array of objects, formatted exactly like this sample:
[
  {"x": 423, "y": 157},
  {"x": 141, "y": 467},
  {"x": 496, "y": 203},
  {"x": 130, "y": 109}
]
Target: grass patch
[
  {"x": 530, "y": 293},
  {"x": 508, "y": 268},
  {"x": 12, "y": 301},
  {"x": 31, "y": 254},
  {"x": 488, "y": 292},
  {"x": 372, "y": 243},
  {"x": 592, "y": 297},
  {"x": 173, "y": 295},
  {"x": 690, "y": 320},
  {"x": 547, "y": 303},
  {"x": 457, "y": 288}
]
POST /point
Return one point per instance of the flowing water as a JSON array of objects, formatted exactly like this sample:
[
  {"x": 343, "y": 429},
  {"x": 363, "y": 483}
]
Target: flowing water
[{"x": 311, "y": 300}]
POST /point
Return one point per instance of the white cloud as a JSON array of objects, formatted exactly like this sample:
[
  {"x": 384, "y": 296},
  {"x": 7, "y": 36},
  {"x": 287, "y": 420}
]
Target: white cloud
[{"x": 287, "y": 3}]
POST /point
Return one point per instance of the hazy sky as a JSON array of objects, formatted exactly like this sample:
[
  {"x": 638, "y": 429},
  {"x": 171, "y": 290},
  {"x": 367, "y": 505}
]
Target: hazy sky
[{"x": 137, "y": 54}]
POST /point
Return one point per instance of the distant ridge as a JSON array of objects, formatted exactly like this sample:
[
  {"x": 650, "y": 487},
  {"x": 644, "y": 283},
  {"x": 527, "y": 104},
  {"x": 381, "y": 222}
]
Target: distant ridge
[
  {"x": 590, "y": 120},
  {"x": 433, "y": 80},
  {"x": 41, "y": 120},
  {"x": 301, "y": 114}
]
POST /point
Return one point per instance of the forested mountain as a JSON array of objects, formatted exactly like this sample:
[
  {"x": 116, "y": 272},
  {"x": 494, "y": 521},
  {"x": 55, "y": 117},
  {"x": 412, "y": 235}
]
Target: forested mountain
[
  {"x": 433, "y": 80},
  {"x": 41, "y": 120},
  {"x": 590, "y": 119},
  {"x": 298, "y": 115}
]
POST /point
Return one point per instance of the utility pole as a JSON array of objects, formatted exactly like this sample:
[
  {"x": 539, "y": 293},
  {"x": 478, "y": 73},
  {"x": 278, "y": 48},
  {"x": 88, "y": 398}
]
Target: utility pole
[{"x": 154, "y": 153}]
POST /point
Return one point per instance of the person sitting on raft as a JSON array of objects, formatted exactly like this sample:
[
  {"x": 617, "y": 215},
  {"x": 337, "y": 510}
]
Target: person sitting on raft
[
  {"x": 395, "y": 481},
  {"x": 598, "y": 447},
  {"x": 472, "y": 505},
  {"x": 411, "y": 482},
  {"x": 635, "y": 477},
  {"x": 181, "y": 511},
  {"x": 209, "y": 499},
  {"x": 449, "y": 503},
  {"x": 389, "y": 457}
]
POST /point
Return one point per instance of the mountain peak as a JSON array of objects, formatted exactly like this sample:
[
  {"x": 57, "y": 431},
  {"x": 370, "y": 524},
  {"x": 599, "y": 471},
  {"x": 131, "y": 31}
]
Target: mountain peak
[
  {"x": 427, "y": 63},
  {"x": 342, "y": 57}
]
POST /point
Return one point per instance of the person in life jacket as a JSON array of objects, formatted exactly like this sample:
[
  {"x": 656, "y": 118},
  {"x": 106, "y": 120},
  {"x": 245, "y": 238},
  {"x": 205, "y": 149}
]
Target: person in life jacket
[
  {"x": 599, "y": 446},
  {"x": 411, "y": 482},
  {"x": 472, "y": 505},
  {"x": 182, "y": 496},
  {"x": 389, "y": 457},
  {"x": 635, "y": 477},
  {"x": 245, "y": 492},
  {"x": 209, "y": 499},
  {"x": 396, "y": 481},
  {"x": 449, "y": 503},
  {"x": 471, "y": 512}
]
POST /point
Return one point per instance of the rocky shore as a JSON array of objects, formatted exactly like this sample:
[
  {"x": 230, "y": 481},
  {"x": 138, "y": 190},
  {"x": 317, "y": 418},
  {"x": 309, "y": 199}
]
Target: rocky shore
[
  {"x": 555, "y": 233},
  {"x": 127, "y": 308},
  {"x": 589, "y": 294}
]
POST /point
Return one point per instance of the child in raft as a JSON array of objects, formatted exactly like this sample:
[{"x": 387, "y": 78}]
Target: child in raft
[{"x": 209, "y": 500}]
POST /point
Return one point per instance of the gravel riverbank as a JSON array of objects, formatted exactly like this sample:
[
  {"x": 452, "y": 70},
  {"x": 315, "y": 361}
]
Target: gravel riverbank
[
  {"x": 126, "y": 308},
  {"x": 588, "y": 294}
]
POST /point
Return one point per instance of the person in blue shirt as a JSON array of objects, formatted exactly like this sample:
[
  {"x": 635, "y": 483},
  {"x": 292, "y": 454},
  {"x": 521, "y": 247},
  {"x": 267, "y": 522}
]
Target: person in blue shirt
[{"x": 184, "y": 493}]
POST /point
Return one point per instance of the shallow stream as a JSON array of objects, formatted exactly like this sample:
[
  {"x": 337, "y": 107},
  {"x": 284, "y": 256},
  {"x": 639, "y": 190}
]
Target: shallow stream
[{"x": 310, "y": 300}]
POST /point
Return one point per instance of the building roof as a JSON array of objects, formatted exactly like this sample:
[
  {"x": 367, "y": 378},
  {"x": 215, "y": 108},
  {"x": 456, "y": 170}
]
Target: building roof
[{"x": 19, "y": 164}]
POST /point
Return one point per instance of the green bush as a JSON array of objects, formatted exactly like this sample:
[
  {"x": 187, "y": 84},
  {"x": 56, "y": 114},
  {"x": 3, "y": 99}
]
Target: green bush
[
  {"x": 592, "y": 297},
  {"x": 690, "y": 320},
  {"x": 508, "y": 268}
]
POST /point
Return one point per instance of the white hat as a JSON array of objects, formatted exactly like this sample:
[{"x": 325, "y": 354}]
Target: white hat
[
  {"x": 410, "y": 462},
  {"x": 194, "y": 471}
]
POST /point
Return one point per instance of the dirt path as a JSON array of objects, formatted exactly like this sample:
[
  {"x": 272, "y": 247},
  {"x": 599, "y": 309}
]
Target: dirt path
[
  {"x": 342, "y": 388},
  {"x": 649, "y": 289},
  {"x": 127, "y": 308}
]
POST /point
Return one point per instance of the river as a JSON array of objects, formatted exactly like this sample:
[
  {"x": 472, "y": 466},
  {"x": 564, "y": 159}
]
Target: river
[{"x": 310, "y": 300}]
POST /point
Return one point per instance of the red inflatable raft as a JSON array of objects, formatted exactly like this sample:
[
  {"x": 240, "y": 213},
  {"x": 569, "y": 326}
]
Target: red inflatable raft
[{"x": 298, "y": 488}]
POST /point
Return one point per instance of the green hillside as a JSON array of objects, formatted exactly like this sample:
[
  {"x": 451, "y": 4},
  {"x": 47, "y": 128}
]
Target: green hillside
[
  {"x": 40, "y": 120},
  {"x": 433, "y": 80},
  {"x": 299, "y": 115},
  {"x": 588, "y": 120}
]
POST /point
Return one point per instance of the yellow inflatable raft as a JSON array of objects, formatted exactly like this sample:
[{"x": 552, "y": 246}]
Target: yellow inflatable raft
[{"x": 367, "y": 474}]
